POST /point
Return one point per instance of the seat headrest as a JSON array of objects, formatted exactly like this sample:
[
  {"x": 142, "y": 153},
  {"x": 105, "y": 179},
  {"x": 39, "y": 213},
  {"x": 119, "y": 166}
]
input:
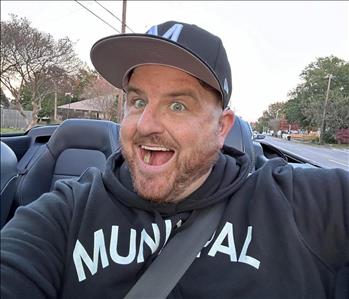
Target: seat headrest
[
  {"x": 235, "y": 136},
  {"x": 240, "y": 137},
  {"x": 91, "y": 134}
]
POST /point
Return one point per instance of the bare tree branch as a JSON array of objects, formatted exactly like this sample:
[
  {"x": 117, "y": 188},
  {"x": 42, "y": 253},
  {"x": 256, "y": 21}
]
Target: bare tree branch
[{"x": 33, "y": 59}]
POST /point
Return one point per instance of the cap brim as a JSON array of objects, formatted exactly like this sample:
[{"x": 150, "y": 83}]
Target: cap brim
[{"x": 114, "y": 56}]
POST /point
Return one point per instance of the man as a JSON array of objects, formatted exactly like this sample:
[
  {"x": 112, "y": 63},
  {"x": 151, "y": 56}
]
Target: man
[{"x": 284, "y": 232}]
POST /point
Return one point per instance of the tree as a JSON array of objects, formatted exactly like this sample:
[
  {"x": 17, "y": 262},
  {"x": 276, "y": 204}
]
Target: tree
[
  {"x": 81, "y": 80},
  {"x": 276, "y": 110},
  {"x": 106, "y": 97},
  {"x": 57, "y": 82},
  {"x": 294, "y": 112},
  {"x": 307, "y": 100},
  {"x": 31, "y": 61},
  {"x": 263, "y": 122},
  {"x": 270, "y": 118},
  {"x": 67, "y": 89},
  {"x": 5, "y": 103}
]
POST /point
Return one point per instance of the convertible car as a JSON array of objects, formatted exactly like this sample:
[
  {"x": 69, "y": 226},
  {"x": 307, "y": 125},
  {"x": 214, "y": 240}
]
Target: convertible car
[{"x": 33, "y": 161}]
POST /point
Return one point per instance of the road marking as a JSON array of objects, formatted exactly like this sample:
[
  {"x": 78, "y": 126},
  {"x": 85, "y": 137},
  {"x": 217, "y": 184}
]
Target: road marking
[{"x": 339, "y": 163}]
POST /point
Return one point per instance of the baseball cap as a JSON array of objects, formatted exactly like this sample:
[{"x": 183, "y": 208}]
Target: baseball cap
[{"x": 183, "y": 46}]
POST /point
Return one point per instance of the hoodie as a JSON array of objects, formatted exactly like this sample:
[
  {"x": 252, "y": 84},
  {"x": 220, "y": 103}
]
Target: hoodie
[{"x": 284, "y": 234}]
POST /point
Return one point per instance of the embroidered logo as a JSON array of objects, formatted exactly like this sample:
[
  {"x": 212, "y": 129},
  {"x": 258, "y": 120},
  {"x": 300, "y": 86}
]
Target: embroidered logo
[
  {"x": 172, "y": 33},
  {"x": 226, "y": 87}
]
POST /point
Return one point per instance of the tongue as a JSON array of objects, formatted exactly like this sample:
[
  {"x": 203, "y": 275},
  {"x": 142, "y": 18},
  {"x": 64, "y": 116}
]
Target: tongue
[{"x": 158, "y": 157}]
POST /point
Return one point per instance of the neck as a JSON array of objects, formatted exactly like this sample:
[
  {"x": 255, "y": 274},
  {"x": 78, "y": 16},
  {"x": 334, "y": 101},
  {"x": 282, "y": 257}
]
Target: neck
[{"x": 192, "y": 188}]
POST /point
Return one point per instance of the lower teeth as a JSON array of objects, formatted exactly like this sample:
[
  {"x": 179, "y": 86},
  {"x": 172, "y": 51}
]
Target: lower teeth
[{"x": 147, "y": 157}]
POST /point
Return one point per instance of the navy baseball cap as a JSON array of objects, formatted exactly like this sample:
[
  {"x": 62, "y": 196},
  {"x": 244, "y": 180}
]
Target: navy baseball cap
[{"x": 183, "y": 46}]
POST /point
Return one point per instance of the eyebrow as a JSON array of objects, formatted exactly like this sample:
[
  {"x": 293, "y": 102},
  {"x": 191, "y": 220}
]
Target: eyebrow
[
  {"x": 184, "y": 92},
  {"x": 134, "y": 89}
]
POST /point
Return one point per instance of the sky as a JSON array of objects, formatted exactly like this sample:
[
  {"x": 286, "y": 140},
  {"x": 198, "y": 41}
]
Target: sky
[{"x": 268, "y": 43}]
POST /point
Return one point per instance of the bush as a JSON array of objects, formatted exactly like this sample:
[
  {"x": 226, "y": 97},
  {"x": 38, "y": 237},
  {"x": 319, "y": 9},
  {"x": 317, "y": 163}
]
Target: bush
[
  {"x": 329, "y": 137},
  {"x": 342, "y": 136}
]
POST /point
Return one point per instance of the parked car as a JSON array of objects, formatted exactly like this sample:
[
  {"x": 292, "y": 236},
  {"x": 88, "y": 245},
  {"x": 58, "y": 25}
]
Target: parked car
[
  {"x": 258, "y": 136},
  {"x": 286, "y": 136}
]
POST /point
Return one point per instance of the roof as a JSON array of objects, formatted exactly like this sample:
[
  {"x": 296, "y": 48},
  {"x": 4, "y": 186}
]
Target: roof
[{"x": 98, "y": 104}]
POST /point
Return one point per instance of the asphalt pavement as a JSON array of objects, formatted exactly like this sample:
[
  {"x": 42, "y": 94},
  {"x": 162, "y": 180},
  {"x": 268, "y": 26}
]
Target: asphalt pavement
[{"x": 323, "y": 155}]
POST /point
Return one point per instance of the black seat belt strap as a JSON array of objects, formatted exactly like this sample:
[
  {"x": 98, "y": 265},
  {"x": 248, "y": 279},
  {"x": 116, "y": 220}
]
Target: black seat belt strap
[
  {"x": 176, "y": 257},
  {"x": 34, "y": 150}
]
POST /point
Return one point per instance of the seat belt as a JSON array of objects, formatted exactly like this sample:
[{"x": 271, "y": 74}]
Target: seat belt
[
  {"x": 176, "y": 257},
  {"x": 35, "y": 149}
]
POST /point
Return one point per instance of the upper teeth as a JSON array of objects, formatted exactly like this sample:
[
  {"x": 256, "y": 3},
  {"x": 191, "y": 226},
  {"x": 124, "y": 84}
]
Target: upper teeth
[{"x": 155, "y": 148}]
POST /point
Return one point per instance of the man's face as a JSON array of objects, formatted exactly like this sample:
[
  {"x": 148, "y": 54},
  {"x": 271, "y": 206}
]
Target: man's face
[{"x": 172, "y": 132}]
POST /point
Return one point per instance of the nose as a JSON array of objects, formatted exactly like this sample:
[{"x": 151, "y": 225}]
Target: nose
[{"x": 150, "y": 121}]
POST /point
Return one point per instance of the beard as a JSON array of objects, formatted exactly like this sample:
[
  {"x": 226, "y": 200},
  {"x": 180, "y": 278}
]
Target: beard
[{"x": 187, "y": 169}]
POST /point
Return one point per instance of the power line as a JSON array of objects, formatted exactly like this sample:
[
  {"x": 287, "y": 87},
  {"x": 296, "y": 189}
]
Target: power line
[
  {"x": 113, "y": 15},
  {"x": 97, "y": 16}
]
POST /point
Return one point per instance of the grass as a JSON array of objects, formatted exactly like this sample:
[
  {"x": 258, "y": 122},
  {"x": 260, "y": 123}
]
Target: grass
[
  {"x": 340, "y": 146},
  {"x": 11, "y": 130},
  {"x": 331, "y": 145}
]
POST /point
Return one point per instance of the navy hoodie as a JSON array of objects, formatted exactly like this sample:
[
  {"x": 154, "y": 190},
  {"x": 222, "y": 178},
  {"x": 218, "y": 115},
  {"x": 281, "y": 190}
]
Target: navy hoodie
[{"x": 284, "y": 234}]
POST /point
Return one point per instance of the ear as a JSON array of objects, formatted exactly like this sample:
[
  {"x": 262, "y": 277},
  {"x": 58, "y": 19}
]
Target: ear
[{"x": 226, "y": 122}]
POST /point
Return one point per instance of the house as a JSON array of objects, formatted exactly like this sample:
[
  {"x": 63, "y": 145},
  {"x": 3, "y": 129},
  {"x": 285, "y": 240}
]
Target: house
[{"x": 101, "y": 107}]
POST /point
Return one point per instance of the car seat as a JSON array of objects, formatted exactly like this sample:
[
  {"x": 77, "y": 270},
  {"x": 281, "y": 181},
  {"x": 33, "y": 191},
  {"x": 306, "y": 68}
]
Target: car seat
[
  {"x": 240, "y": 137},
  {"x": 74, "y": 146},
  {"x": 8, "y": 180}
]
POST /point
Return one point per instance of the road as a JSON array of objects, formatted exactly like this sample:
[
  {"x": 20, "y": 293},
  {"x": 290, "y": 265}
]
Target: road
[{"x": 324, "y": 156}]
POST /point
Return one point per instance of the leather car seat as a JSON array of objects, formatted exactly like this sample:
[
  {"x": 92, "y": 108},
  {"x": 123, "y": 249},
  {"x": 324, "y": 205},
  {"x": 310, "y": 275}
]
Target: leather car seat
[
  {"x": 76, "y": 145},
  {"x": 8, "y": 180},
  {"x": 240, "y": 137}
]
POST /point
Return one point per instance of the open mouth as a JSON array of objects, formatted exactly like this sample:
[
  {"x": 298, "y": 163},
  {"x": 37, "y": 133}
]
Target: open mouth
[{"x": 155, "y": 155}]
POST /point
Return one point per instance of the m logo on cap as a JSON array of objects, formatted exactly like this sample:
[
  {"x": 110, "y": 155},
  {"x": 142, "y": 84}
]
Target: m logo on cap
[
  {"x": 226, "y": 87},
  {"x": 172, "y": 33}
]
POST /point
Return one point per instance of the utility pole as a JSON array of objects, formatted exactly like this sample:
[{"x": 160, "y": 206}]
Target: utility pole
[
  {"x": 55, "y": 104},
  {"x": 123, "y": 31},
  {"x": 55, "y": 108},
  {"x": 322, "y": 128},
  {"x": 123, "y": 23},
  {"x": 277, "y": 113}
]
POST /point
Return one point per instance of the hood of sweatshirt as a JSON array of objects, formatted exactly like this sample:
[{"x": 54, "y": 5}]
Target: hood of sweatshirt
[{"x": 227, "y": 175}]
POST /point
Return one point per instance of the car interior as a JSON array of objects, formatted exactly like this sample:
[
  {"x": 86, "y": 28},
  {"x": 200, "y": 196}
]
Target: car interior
[
  {"x": 32, "y": 162},
  {"x": 8, "y": 180}
]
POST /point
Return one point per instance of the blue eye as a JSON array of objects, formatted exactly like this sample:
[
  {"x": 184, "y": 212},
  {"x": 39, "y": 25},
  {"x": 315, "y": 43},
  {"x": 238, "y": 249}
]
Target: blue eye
[
  {"x": 139, "y": 103},
  {"x": 177, "y": 107}
]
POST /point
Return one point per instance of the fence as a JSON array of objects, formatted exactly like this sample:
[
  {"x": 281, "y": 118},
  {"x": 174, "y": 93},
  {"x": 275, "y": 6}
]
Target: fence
[{"x": 12, "y": 119}]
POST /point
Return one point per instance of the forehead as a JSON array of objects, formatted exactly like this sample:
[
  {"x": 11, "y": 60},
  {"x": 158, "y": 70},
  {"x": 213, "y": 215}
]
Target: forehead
[
  {"x": 155, "y": 75},
  {"x": 166, "y": 79}
]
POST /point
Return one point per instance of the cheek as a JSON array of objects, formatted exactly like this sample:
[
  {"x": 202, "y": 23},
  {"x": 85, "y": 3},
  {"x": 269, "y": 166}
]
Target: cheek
[
  {"x": 185, "y": 132},
  {"x": 127, "y": 130},
  {"x": 193, "y": 134}
]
